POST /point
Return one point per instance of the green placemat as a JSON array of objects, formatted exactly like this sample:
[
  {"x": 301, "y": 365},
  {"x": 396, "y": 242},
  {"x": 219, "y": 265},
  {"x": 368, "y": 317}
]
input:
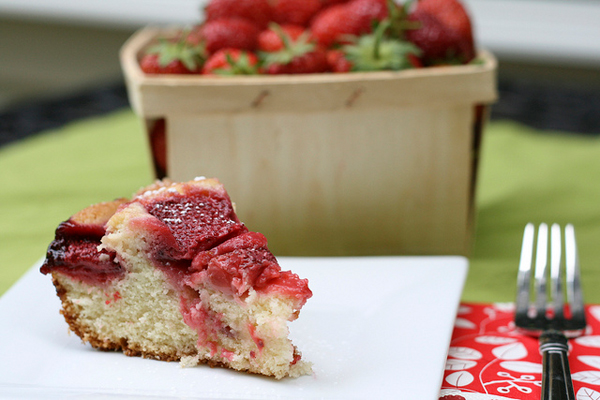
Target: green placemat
[
  {"x": 46, "y": 178},
  {"x": 525, "y": 176},
  {"x": 532, "y": 176}
]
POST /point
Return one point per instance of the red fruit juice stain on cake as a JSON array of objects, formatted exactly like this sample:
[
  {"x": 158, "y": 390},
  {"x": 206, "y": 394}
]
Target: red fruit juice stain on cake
[
  {"x": 297, "y": 357},
  {"x": 227, "y": 354},
  {"x": 112, "y": 298},
  {"x": 213, "y": 348},
  {"x": 260, "y": 344},
  {"x": 75, "y": 253}
]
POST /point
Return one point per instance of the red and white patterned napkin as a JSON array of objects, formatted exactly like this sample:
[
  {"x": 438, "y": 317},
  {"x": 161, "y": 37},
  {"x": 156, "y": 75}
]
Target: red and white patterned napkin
[{"x": 488, "y": 359}]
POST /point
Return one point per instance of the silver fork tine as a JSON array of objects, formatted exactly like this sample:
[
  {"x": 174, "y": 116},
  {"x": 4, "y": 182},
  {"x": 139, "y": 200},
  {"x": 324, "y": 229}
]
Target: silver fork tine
[
  {"x": 574, "y": 293},
  {"x": 524, "y": 276},
  {"x": 541, "y": 263},
  {"x": 552, "y": 329},
  {"x": 555, "y": 271}
]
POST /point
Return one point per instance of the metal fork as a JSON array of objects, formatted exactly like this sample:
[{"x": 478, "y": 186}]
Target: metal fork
[{"x": 543, "y": 312}]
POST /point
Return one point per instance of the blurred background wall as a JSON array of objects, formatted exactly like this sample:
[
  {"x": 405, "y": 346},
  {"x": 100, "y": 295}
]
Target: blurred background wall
[{"x": 54, "y": 48}]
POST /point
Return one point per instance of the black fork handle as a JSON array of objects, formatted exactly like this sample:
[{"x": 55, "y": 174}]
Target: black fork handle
[{"x": 556, "y": 376}]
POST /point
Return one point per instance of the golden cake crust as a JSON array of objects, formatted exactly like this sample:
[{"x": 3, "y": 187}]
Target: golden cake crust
[{"x": 98, "y": 214}]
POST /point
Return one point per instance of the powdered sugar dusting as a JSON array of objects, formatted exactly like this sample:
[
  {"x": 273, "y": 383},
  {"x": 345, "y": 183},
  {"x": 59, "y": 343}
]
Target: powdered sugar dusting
[
  {"x": 154, "y": 192},
  {"x": 198, "y": 217}
]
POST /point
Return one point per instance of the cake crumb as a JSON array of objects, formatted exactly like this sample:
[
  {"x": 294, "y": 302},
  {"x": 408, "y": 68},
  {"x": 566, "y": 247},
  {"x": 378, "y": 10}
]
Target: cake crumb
[{"x": 189, "y": 361}]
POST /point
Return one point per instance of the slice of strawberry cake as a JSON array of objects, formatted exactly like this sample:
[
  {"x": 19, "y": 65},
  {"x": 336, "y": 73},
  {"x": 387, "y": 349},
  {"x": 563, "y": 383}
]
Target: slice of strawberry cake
[{"x": 172, "y": 274}]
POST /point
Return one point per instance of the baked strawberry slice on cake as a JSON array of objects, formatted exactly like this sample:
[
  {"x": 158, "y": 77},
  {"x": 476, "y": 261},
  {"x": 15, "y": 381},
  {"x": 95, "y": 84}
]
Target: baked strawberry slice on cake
[{"x": 172, "y": 274}]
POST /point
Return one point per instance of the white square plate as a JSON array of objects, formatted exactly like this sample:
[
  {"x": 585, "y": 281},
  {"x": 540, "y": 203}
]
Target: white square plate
[{"x": 376, "y": 327}]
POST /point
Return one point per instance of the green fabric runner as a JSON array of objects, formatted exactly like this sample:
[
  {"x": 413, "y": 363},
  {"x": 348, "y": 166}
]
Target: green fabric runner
[
  {"x": 46, "y": 178},
  {"x": 525, "y": 176}
]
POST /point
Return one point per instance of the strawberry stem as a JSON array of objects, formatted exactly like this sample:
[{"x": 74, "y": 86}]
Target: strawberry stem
[
  {"x": 285, "y": 39},
  {"x": 170, "y": 49},
  {"x": 291, "y": 48},
  {"x": 379, "y": 32}
]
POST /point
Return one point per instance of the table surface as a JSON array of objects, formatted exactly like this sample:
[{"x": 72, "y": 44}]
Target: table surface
[{"x": 525, "y": 176}]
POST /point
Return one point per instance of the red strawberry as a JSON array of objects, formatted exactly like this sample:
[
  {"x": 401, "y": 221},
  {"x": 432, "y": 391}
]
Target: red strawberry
[
  {"x": 297, "y": 12},
  {"x": 172, "y": 57},
  {"x": 299, "y": 56},
  {"x": 270, "y": 40},
  {"x": 231, "y": 62},
  {"x": 456, "y": 23},
  {"x": 338, "y": 62},
  {"x": 334, "y": 24},
  {"x": 451, "y": 13},
  {"x": 234, "y": 33},
  {"x": 365, "y": 12},
  {"x": 377, "y": 51},
  {"x": 308, "y": 63},
  {"x": 256, "y": 11},
  {"x": 331, "y": 25},
  {"x": 327, "y": 3},
  {"x": 439, "y": 43}
]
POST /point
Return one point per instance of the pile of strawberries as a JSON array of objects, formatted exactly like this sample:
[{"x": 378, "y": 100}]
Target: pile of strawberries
[{"x": 314, "y": 36}]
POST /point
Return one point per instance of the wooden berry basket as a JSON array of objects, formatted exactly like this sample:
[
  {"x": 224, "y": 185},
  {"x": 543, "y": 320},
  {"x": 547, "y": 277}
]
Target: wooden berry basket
[{"x": 330, "y": 164}]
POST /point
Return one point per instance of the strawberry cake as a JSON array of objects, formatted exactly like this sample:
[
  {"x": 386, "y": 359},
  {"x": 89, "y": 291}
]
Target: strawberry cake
[{"x": 173, "y": 275}]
